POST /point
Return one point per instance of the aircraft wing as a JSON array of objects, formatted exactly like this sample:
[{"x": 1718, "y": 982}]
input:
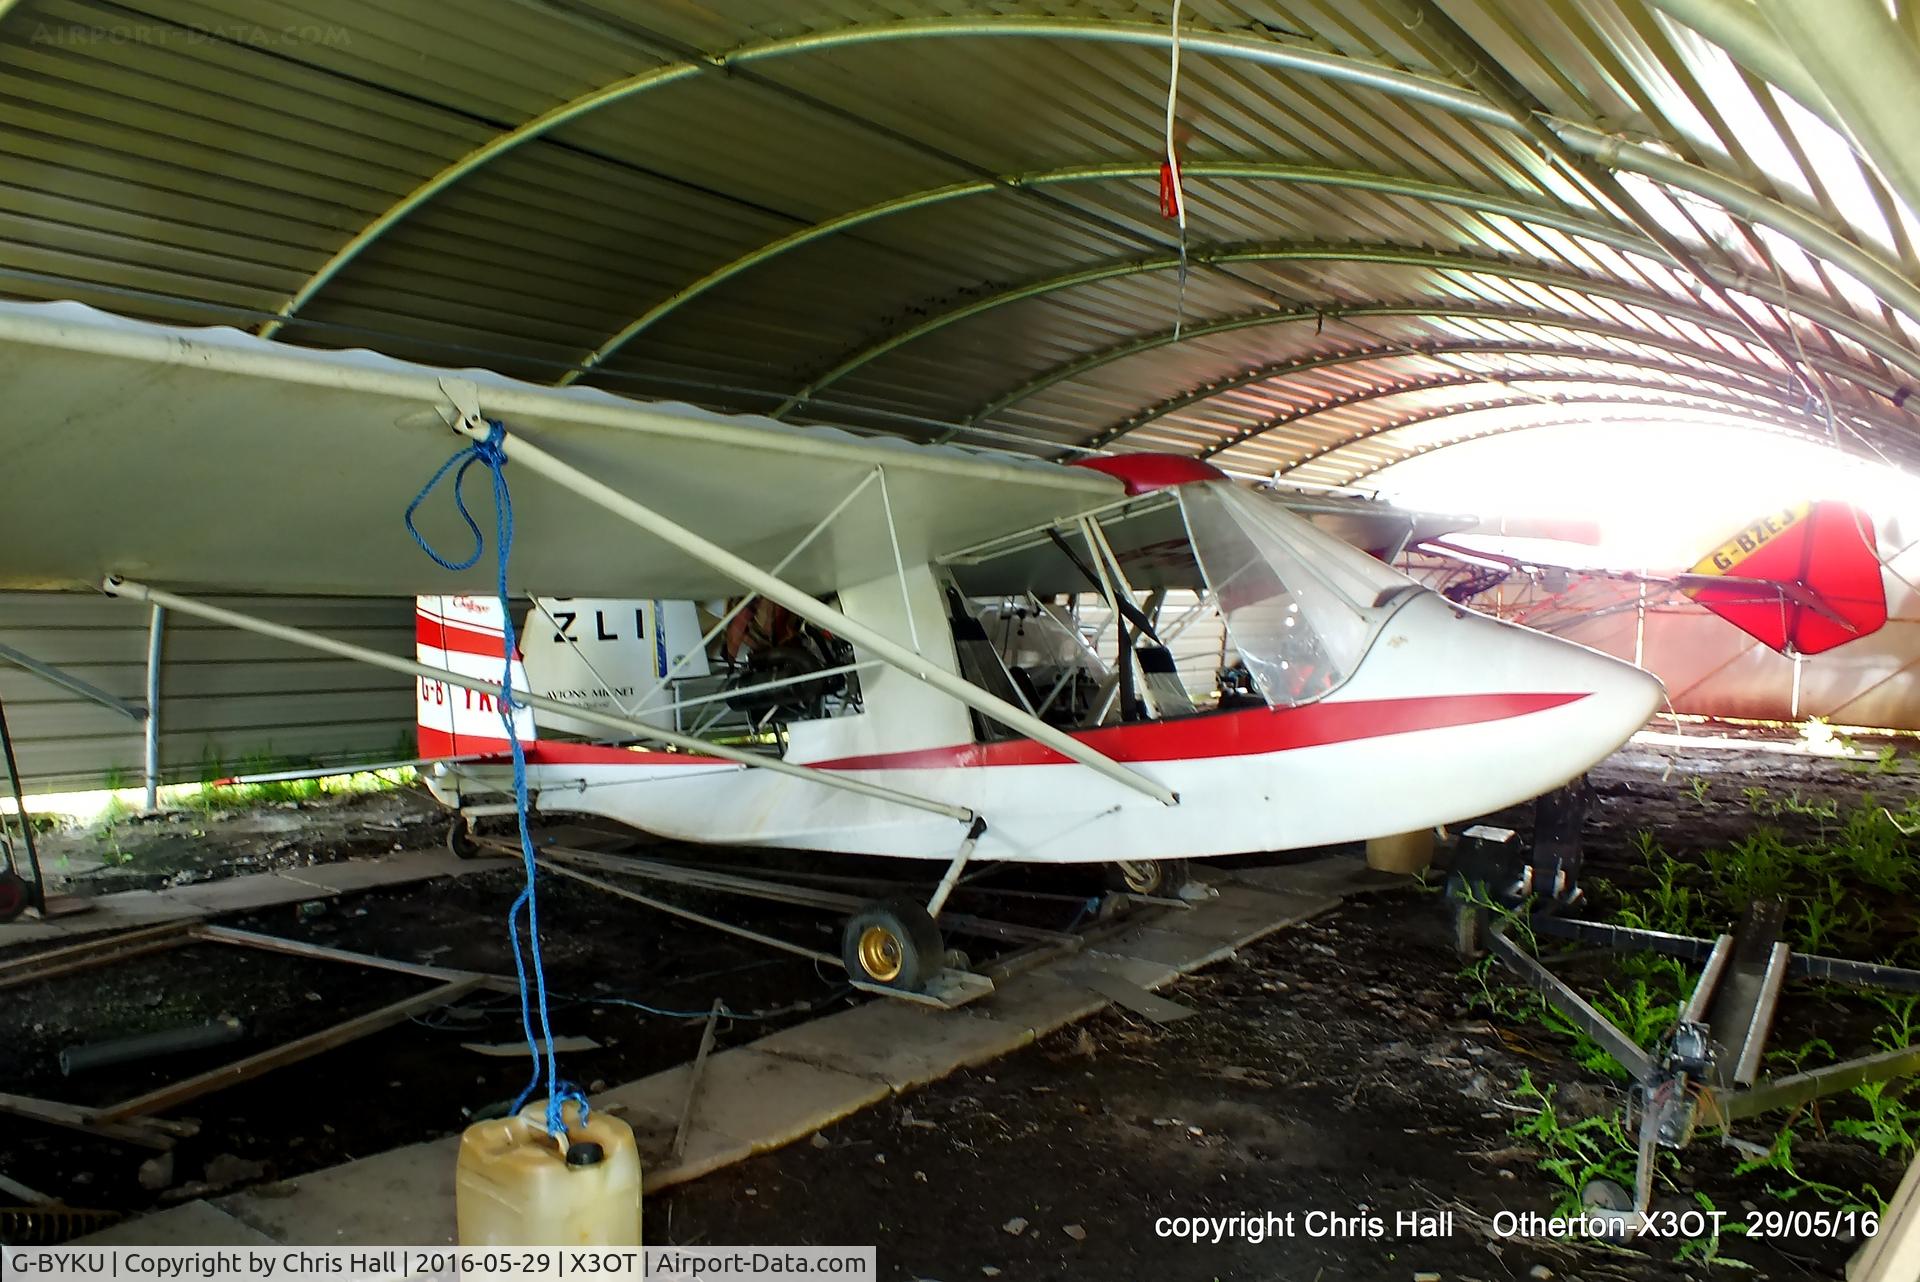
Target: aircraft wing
[{"x": 212, "y": 459}]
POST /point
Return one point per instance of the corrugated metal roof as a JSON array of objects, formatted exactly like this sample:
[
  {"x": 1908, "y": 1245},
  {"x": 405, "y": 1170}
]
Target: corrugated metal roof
[{"x": 1411, "y": 223}]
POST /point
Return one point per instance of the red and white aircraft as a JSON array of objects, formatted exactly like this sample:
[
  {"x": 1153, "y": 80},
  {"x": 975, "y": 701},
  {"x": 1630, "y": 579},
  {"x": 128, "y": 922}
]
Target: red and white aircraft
[{"x": 152, "y": 461}]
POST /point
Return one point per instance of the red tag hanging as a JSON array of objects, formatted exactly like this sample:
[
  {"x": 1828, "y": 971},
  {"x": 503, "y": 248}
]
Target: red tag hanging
[{"x": 1169, "y": 191}]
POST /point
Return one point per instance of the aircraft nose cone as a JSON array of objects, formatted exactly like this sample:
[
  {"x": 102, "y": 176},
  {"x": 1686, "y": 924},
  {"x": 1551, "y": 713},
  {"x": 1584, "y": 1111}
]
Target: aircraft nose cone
[{"x": 1614, "y": 698}]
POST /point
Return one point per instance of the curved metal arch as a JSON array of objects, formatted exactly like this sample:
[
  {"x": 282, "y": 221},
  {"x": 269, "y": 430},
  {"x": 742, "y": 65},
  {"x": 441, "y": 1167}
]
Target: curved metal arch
[
  {"x": 1436, "y": 446},
  {"x": 1070, "y": 370},
  {"x": 1434, "y": 382},
  {"x": 1765, "y": 384},
  {"x": 1377, "y": 255},
  {"x": 1630, "y": 398},
  {"x": 1304, "y": 175},
  {"x": 1879, "y": 275}
]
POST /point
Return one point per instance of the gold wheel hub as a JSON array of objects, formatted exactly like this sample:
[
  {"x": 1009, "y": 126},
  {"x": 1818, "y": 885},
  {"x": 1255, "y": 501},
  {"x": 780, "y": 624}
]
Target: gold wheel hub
[
  {"x": 1140, "y": 876},
  {"x": 882, "y": 955}
]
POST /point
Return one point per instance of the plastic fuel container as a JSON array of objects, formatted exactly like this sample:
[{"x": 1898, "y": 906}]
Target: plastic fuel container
[{"x": 516, "y": 1185}]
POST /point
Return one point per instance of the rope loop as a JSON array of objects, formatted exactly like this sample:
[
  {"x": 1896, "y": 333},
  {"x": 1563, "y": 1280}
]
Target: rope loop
[{"x": 491, "y": 453}]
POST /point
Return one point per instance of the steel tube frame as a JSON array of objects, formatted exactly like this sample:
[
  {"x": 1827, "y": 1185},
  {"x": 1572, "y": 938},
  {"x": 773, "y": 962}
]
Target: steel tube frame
[
  {"x": 636, "y": 729},
  {"x": 814, "y": 611},
  {"x": 1882, "y": 277},
  {"x": 1625, "y": 395},
  {"x": 1832, "y": 318},
  {"x": 1738, "y": 27},
  {"x": 1869, "y": 70},
  {"x": 1439, "y": 381},
  {"x": 1669, "y": 413},
  {"x": 71, "y": 684},
  {"x": 156, "y": 638},
  {"x": 1734, "y": 371},
  {"x": 1304, "y": 175},
  {"x": 1070, "y": 370}
]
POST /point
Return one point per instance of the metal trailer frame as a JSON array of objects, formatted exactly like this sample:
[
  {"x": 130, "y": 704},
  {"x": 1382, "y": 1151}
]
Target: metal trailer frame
[
  {"x": 837, "y": 893},
  {"x": 133, "y": 1120},
  {"x": 1707, "y": 1069}
]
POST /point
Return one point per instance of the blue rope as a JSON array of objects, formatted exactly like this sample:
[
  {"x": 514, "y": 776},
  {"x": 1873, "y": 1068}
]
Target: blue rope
[{"x": 492, "y": 453}]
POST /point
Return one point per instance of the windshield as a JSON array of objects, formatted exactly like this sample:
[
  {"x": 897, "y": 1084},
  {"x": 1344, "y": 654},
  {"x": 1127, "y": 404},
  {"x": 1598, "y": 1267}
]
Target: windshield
[{"x": 1301, "y": 605}]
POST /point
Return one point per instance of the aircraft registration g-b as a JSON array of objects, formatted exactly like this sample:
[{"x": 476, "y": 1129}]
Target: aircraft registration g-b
[{"x": 153, "y": 461}]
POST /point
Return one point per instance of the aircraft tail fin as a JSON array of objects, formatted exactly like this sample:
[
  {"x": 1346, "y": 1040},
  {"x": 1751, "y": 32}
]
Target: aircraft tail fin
[
  {"x": 1801, "y": 579},
  {"x": 463, "y": 634}
]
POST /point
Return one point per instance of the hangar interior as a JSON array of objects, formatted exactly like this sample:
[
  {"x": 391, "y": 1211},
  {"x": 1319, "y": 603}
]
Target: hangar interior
[{"x": 915, "y": 431}]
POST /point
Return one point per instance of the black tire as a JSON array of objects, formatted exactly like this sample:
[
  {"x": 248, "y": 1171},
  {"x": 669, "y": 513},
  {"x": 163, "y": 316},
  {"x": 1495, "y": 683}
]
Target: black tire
[
  {"x": 893, "y": 944},
  {"x": 460, "y": 840},
  {"x": 15, "y": 895},
  {"x": 1154, "y": 878}
]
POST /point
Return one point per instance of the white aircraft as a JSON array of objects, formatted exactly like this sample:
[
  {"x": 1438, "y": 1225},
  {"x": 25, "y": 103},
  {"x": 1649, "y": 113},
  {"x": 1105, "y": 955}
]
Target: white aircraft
[{"x": 151, "y": 461}]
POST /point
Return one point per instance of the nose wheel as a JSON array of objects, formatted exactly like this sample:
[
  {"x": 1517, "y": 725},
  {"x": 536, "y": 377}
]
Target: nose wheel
[
  {"x": 893, "y": 944},
  {"x": 1152, "y": 878}
]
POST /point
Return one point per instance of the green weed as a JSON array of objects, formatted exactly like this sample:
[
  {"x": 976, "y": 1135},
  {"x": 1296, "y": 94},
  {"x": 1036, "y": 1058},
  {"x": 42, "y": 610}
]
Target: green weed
[{"x": 1577, "y": 1153}]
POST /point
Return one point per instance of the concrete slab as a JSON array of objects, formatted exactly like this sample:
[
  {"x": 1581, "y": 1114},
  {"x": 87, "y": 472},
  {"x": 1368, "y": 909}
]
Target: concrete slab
[
  {"x": 363, "y": 874},
  {"x": 396, "y": 1198},
  {"x": 898, "y": 1045},
  {"x": 190, "y": 1224},
  {"x": 1132, "y": 970},
  {"x": 242, "y": 894},
  {"x": 1240, "y": 915},
  {"x": 748, "y": 1097},
  {"x": 131, "y": 908},
  {"x": 1176, "y": 951},
  {"x": 1040, "y": 1003}
]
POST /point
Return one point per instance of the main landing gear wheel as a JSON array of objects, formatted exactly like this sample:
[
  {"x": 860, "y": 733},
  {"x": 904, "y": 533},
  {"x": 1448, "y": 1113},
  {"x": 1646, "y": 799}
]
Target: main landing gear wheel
[
  {"x": 14, "y": 896},
  {"x": 460, "y": 838},
  {"x": 1153, "y": 878},
  {"x": 893, "y": 944}
]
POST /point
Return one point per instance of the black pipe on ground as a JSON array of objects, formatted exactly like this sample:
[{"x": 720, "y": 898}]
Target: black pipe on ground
[{"x": 168, "y": 1041}]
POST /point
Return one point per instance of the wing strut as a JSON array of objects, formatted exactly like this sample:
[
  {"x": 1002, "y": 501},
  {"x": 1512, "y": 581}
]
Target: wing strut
[
  {"x": 638, "y": 729},
  {"x": 530, "y": 456}
]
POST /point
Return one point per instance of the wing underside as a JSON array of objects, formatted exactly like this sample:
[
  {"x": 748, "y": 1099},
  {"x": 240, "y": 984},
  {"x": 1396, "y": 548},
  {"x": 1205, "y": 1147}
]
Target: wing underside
[{"x": 208, "y": 458}]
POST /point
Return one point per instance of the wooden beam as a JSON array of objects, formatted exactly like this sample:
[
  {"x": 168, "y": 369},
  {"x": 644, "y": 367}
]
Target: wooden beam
[
  {"x": 292, "y": 1052},
  {"x": 95, "y": 952},
  {"x": 74, "y": 1117},
  {"x": 320, "y": 952}
]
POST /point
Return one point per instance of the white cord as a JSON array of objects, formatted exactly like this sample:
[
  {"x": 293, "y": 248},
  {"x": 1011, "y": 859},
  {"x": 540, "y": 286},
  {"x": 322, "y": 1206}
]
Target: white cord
[{"x": 1173, "y": 169}]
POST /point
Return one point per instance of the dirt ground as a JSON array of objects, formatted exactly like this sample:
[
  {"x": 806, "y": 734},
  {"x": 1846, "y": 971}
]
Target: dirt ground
[
  {"x": 1344, "y": 1067},
  {"x": 181, "y": 847}
]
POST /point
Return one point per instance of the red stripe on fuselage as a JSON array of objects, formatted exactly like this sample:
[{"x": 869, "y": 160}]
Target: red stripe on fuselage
[{"x": 1246, "y": 732}]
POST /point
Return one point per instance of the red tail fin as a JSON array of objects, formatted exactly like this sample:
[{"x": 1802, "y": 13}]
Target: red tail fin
[{"x": 1801, "y": 580}]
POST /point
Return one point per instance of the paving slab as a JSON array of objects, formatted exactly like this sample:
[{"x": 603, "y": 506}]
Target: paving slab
[
  {"x": 1132, "y": 970},
  {"x": 748, "y": 1092},
  {"x": 1240, "y": 915},
  {"x": 398, "y": 1198},
  {"x": 899, "y": 1045},
  {"x": 190, "y": 1224},
  {"x": 1178, "y": 952},
  {"x": 127, "y": 909},
  {"x": 1041, "y": 1003}
]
